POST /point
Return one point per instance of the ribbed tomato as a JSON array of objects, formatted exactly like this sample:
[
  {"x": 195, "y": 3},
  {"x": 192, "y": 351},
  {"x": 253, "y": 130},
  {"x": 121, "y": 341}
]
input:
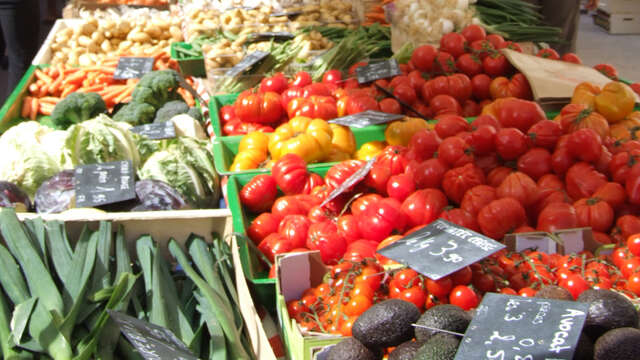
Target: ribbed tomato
[{"x": 457, "y": 181}]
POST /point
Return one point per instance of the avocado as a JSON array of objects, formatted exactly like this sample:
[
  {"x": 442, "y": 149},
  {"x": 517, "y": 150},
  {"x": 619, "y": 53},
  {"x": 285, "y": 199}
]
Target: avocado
[
  {"x": 405, "y": 351},
  {"x": 619, "y": 344},
  {"x": 607, "y": 310},
  {"x": 352, "y": 349},
  {"x": 554, "y": 292},
  {"x": 584, "y": 349},
  {"x": 444, "y": 317},
  {"x": 387, "y": 323},
  {"x": 440, "y": 346}
]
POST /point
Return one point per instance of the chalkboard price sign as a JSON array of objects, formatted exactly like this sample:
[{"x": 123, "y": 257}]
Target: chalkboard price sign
[
  {"x": 156, "y": 131},
  {"x": 366, "y": 118},
  {"x": 376, "y": 71},
  {"x": 289, "y": 14},
  {"x": 104, "y": 183},
  {"x": 277, "y": 36},
  {"x": 350, "y": 181},
  {"x": 441, "y": 248},
  {"x": 133, "y": 67},
  {"x": 153, "y": 342},
  {"x": 247, "y": 62},
  {"x": 514, "y": 327}
]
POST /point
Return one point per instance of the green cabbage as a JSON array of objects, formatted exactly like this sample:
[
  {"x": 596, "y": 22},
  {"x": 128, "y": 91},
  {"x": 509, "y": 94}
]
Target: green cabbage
[
  {"x": 100, "y": 140},
  {"x": 187, "y": 165},
  {"x": 25, "y": 161}
]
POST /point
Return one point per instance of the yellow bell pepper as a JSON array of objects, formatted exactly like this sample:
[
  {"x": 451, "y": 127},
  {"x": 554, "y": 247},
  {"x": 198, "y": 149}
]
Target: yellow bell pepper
[
  {"x": 343, "y": 139},
  {"x": 370, "y": 149},
  {"x": 400, "y": 132},
  {"x": 585, "y": 93},
  {"x": 252, "y": 151},
  {"x": 615, "y": 101},
  {"x": 308, "y": 138}
]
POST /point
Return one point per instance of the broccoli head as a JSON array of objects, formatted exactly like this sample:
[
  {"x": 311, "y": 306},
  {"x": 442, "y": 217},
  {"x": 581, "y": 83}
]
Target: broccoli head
[
  {"x": 135, "y": 113},
  {"x": 195, "y": 113},
  {"x": 76, "y": 108},
  {"x": 157, "y": 87},
  {"x": 171, "y": 109}
]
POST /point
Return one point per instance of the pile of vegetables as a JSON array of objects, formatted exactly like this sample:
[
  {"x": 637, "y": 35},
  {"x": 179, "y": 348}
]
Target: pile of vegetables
[
  {"x": 56, "y": 297},
  {"x": 172, "y": 174}
]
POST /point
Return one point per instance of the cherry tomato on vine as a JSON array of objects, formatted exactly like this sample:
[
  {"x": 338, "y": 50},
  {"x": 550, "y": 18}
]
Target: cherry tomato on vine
[{"x": 464, "y": 297}]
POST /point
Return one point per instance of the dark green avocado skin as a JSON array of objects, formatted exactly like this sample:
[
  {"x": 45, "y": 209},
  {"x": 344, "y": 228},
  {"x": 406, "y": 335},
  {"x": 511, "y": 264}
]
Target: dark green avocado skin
[
  {"x": 440, "y": 346},
  {"x": 405, "y": 351},
  {"x": 445, "y": 317},
  {"x": 607, "y": 310},
  {"x": 352, "y": 349},
  {"x": 618, "y": 344},
  {"x": 387, "y": 323}
]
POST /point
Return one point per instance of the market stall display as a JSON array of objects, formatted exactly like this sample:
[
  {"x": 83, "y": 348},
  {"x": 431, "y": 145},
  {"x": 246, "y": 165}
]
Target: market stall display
[{"x": 388, "y": 174}]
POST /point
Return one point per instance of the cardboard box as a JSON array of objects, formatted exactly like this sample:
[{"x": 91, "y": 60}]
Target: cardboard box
[
  {"x": 561, "y": 242},
  {"x": 620, "y": 6},
  {"x": 296, "y": 273},
  {"x": 616, "y": 23}
]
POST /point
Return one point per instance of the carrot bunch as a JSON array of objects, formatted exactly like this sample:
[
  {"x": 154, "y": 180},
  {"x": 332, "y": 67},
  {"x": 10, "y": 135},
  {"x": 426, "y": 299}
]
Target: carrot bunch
[
  {"x": 56, "y": 82},
  {"x": 375, "y": 14}
]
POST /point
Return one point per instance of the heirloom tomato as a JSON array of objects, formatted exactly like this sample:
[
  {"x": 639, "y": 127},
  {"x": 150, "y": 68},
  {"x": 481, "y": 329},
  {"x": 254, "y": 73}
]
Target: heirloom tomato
[
  {"x": 450, "y": 125},
  {"x": 510, "y": 143},
  {"x": 594, "y": 213},
  {"x": 545, "y": 133},
  {"x": 324, "y": 237},
  {"x": 455, "y": 152},
  {"x": 615, "y": 101},
  {"x": 423, "y": 145},
  {"x": 582, "y": 180},
  {"x": 557, "y": 216},
  {"x": 574, "y": 117},
  {"x": 264, "y": 108},
  {"x": 536, "y": 163},
  {"x": 340, "y": 172},
  {"x": 361, "y": 204},
  {"x": 400, "y": 186},
  {"x": 265, "y": 224},
  {"x": 401, "y": 131},
  {"x": 444, "y": 104},
  {"x": 295, "y": 228},
  {"x": 481, "y": 86},
  {"x": 469, "y": 64},
  {"x": 308, "y": 138},
  {"x": 424, "y": 206},
  {"x": 348, "y": 228},
  {"x": 290, "y": 173},
  {"x": 460, "y": 217},
  {"x": 477, "y": 197},
  {"x": 380, "y": 219},
  {"x": 458, "y": 180},
  {"x": 427, "y": 174},
  {"x": 500, "y": 217},
  {"x": 518, "y": 87},
  {"x": 259, "y": 193},
  {"x": 518, "y": 113}
]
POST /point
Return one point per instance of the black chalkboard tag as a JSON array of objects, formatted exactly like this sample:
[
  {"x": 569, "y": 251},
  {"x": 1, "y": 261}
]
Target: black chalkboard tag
[
  {"x": 350, "y": 181},
  {"x": 289, "y": 14},
  {"x": 276, "y": 36},
  {"x": 441, "y": 248},
  {"x": 104, "y": 183},
  {"x": 366, "y": 118},
  {"x": 152, "y": 341},
  {"x": 376, "y": 71},
  {"x": 156, "y": 131},
  {"x": 514, "y": 327},
  {"x": 247, "y": 62},
  {"x": 133, "y": 67}
]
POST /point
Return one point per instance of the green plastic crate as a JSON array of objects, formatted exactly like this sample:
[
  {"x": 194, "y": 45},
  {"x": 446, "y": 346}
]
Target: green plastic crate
[
  {"x": 255, "y": 272},
  {"x": 191, "y": 66},
  {"x": 10, "y": 111},
  {"x": 225, "y": 149}
]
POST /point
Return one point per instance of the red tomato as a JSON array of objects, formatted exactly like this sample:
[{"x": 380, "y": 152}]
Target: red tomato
[
  {"x": 536, "y": 162},
  {"x": 289, "y": 205},
  {"x": 510, "y": 143},
  {"x": 348, "y": 228},
  {"x": 483, "y": 139},
  {"x": 496, "y": 40},
  {"x": 450, "y": 125},
  {"x": 611, "y": 192},
  {"x": 576, "y": 285},
  {"x": 585, "y": 144},
  {"x": 477, "y": 197},
  {"x": 391, "y": 106},
  {"x": 360, "y": 250},
  {"x": 473, "y": 33},
  {"x": 324, "y": 237},
  {"x": 469, "y": 64},
  {"x": 518, "y": 87},
  {"x": 274, "y": 244},
  {"x": 276, "y": 83},
  {"x": 360, "y": 103},
  {"x": 295, "y": 228},
  {"x": 399, "y": 80},
  {"x": 548, "y": 53},
  {"x": 439, "y": 288},
  {"x": 405, "y": 93},
  {"x": 561, "y": 160},
  {"x": 485, "y": 120},
  {"x": 512, "y": 46},
  {"x": 501, "y": 216},
  {"x": 455, "y": 152},
  {"x": 460, "y": 217},
  {"x": 632, "y": 185},
  {"x": 320, "y": 213},
  {"x": 377, "y": 178},
  {"x": 583, "y": 180},
  {"x": 290, "y": 173},
  {"x": 572, "y": 58},
  {"x": 519, "y": 186},
  {"x": 424, "y": 206},
  {"x": 621, "y": 164},
  {"x": 633, "y": 243},
  {"x": 423, "y": 145},
  {"x": 337, "y": 174},
  {"x": 497, "y": 175},
  {"x": 400, "y": 186},
  {"x": 265, "y": 224},
  {"x": 482, "y": 48},
  {"x": 381, "y": 218},
  {"x": 457, "y": 181},
  {"x": 607, "y": 70},
  {"x": 316, "y": 89},
  {"x": 288, "y": 95},
  {"x": 394, "y": 158},
  {"x": 361, "y": 204},
  {"x": 332, "y": 77},
  {"x": 458, "y": 86},
  {"x": 427, "y": 174},
  {"x": 594, "y": 213},
  {"x": 464, "y": 297},
  {"x": 301, "y": 79},
  {"x": 635, "y": 87},
  {"x": 453, "y": 43},
  {"x": 630, "y": 266},
  {"x": 227, "y": 113},
  {"x": 557, "y": 216},
  {"x": 480, "y": 86},
  {"x": 444, "y": 63},
  {"x": 259, "y": 193},
  {"x": 545, "y": 133},
  {"x": 416, "y": 81},
  {"x": 423, "y": 57},
  {"x": 550, "y": 181},
  {"x": 260, "y": 108},
  {"x": 518, "y": 113},
  {"x": 471, "y": 108},
  {"x": 496, "y": 65},
  {"x": 633, "y": 284}
]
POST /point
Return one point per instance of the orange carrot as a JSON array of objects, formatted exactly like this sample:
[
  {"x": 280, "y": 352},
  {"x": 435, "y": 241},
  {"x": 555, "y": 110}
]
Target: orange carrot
[
  {"x": 44, "y": 90},
  {"x": 375, "y": 16},
  {"x": 42, "y": 76},
  {"x": 111, "y": 96},
  {"x": 75, "y": 79},
  {"x": 33, "y": 88},
  {"x": 46, "y": 109},
  {"x": 125, "y": 94},
  {"x": 26, "y": 107},
  {"x": 55, "y": 85},
  {"x": 33, "y": 113},
  {"x": 188, "y": 98},
  {"x": 49, "y": 100},
  {"x": 92, "y": 88},
  {"x": 68, "y": 89}
]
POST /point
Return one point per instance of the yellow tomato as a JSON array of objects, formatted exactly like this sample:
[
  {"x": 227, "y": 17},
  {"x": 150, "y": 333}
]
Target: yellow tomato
[
  {"x": 400, "y": 132},
  {"x": 254, "y": 140},
  {"x": 627, "y": 129},
  {"x": 337, "y": 155},
  {"x": 252, "y": 151},
  {"x": 370, "y": 149},
  {"x": 308, "y": 138},
  {"x": 615, "y": 102},
  {"x": 343, "y": 139},
  {"x": 585, "y": 93}
]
